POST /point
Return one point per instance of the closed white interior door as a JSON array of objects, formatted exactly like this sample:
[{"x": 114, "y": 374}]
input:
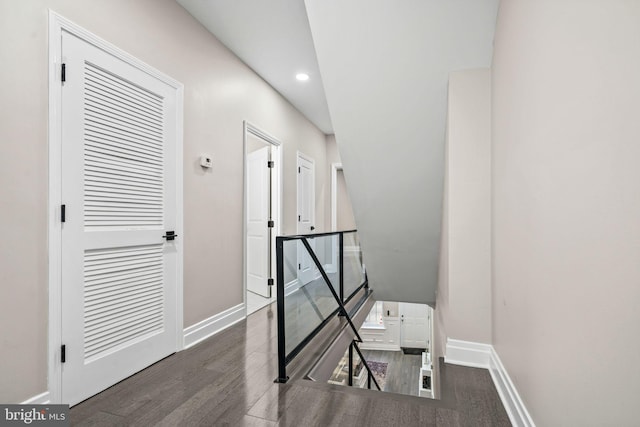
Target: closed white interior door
[
  {"x": 414, "y": 325},
  {"x": 258, "y": 239},
  {"x": 306, "y": 215},
  {"x": 119, "y": 274}
]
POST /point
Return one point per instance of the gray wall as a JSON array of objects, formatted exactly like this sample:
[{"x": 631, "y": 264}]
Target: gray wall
[
  {"x": 566, "y": 208},
  {"x": 344, "y": 211},
  {"x": 463, "y": 306},
  {"x": 220, "y": 92}
]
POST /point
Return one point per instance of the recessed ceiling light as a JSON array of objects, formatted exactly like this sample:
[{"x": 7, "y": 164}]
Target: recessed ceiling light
[{"x": 303, "y": 77}]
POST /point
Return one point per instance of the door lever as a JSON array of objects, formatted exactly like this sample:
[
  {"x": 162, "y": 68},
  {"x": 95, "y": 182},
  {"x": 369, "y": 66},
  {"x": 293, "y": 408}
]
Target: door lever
[{"x": 171, "y": 235}]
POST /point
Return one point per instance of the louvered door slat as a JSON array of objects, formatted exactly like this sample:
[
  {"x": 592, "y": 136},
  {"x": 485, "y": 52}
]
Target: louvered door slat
[
  {"x": 117, "y": 92},
  {"x": 124, "y": 153},
  {"x": 129, "y": 141},
  {"x": 100, "y": 284},
  {"x": 119, "y": 283},
  {"x": 103, "y": 97},
  {"x": 115, "y": 113},
  {"x": 102, "y": 160},
  {"x": 114, "y": 291},
  {"x": 100, "y": 122},
  {"x": 122, "y": 87},
  {"x": 107, "y": 195},
  {"x": 104, "y": 318},
  {"x": 122, "y": 150}
]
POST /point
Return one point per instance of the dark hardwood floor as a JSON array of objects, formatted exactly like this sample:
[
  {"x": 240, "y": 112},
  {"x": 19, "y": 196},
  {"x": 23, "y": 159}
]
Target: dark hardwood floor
[
  {"x": 403, "y": 370},
  {"x": 227, "y": 380}
]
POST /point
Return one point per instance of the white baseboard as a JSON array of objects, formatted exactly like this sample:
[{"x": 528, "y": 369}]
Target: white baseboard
[
  {"x": 41, "y": 399},
  {"x": 478, "y": 355},
  {"x": 214, "y": 324},
  {"x": 513, "y": 404},
  {"x": 376, "y": 346},
  {"x": 291, "y": 287},
  {"x": 330, "y": 268},
  {"x": 467, "y": 353}
]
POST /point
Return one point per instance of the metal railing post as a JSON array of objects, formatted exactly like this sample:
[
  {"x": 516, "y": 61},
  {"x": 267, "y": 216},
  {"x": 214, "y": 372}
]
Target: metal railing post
[
  {"x": 351, "y": 364},
  {"x": 282, "y": 362},
  {"x": 366, "y": 365},
  {"x": 341, "y": 264}
]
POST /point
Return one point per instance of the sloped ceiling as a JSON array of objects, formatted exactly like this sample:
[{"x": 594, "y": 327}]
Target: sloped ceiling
[
  {"x": 273, "y": 38},
  {"x": 385, "y": 68}
]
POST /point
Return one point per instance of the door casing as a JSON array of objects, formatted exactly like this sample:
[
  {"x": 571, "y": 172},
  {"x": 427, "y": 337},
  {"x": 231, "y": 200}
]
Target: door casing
[
  {"x": 58, "y": 24},
  {"x": 276, "y": 198}
]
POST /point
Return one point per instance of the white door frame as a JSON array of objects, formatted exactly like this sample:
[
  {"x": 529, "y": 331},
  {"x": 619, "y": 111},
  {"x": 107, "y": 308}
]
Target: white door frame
[
  {"x": 276, "y": 199},
  {"x": 58, "y": 24},
  {"x": 335, "y": 167}
]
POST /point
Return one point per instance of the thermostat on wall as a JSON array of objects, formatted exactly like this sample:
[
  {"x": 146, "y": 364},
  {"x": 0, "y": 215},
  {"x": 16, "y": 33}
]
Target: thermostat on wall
[{"x": 206, "y": 161}]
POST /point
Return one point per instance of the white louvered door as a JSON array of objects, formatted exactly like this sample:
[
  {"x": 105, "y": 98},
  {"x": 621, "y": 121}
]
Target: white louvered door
[{"x": 119, "y": 275}]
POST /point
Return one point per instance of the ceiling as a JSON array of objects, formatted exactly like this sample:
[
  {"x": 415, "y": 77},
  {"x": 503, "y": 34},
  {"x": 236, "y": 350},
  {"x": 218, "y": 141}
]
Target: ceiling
[{"x": 274, "y": 39}]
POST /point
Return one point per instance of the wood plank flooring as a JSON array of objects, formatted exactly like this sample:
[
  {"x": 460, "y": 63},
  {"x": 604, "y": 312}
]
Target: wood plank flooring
[
  {"x": 403, "y": 370},
  {"x": 227, "y": 380}
]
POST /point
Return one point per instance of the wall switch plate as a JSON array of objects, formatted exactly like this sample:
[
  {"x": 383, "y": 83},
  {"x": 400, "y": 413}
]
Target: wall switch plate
[{"x": 206, "y": 161}]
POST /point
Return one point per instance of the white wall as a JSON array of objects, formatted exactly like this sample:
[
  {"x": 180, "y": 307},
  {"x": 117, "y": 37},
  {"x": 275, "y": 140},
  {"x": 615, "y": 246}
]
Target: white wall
[
  {"x": 464, "y": 293},
  {"x": 566, "y": 208},
  {"x": 220, "y": 92}
]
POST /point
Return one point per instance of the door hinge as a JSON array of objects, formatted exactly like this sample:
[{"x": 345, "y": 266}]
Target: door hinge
[
  {"x": 299, "y": 266},
  {"x": 170, "y": 235},
  {"x": 63, "y": 353},
  {"x": 63, "y": 73},
  {"x": 270, "y": 164},
  {"x": 270, "y": 282},
  {"x": 298, "y": 169},
  {"x": 270, "y": 224},
  {"x": 298, "y": 218},
  {"x": 63, "y": 213}
]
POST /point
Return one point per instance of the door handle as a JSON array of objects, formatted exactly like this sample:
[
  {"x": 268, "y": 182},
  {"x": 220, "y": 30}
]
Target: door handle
[
  {"x": 170, "y": 235},
  {"x": 312, "y": 228}
]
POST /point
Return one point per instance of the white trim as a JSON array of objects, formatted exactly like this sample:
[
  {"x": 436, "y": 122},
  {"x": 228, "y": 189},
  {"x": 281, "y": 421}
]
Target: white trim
[
  {"x": 54, "y": 232},
  {"x": 291, "y": 287},
  {"x": 335, "y": 167},
  {"x": 276, "y": 205},
  {"x": 511, "y": 400},
  {"x": 478, "y": 355},
  {"x": 330, "y": 268},
  {"x": 214, "y": 324},
  {"x": 41, "y": 399},
  {"x": 58, "y": 24},
  {"x": 467, "y": 353},
  {"x": 367, "y": 345}
]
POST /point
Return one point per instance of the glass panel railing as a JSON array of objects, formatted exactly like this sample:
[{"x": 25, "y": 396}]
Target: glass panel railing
[
  {"x": 316, "y": 275},
  {"x": 308, "y": 301},
  {"x": 354, "y": 275}
]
